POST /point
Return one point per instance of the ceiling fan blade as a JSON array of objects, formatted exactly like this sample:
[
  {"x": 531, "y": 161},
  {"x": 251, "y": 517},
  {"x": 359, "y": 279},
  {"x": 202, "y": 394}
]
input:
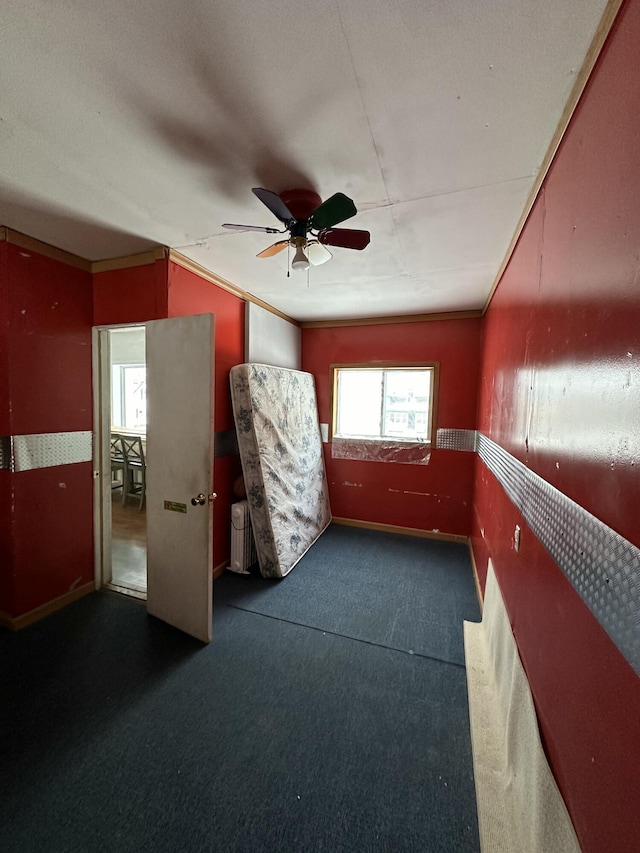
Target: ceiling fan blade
[
  {"x": 317, "y": 253},
  {"x": 273, "y": 249},
  {"x": 346, "y": 238},
  {"x": 335, "y": 209},
  {"x": 274, "y": 203},
  {"x": 252, "y": 228}
]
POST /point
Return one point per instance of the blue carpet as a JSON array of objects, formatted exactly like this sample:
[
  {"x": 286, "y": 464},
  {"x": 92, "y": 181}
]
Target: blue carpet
[
  {"x": 119, "y": 733},
  {"x": 401, "y": 592}
]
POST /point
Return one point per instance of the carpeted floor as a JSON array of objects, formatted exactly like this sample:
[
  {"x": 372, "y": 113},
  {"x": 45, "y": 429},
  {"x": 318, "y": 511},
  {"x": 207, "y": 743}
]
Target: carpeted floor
[
  {"x": 119, "y": 733},
  {"x": 400, "y": 592}
]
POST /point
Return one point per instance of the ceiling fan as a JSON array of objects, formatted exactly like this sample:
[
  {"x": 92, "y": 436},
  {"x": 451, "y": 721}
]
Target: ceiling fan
[{"x": 310, "y": 223}]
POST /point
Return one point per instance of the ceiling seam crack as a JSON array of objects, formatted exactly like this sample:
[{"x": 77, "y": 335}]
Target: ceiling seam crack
[{"x": 373, "y": 140}]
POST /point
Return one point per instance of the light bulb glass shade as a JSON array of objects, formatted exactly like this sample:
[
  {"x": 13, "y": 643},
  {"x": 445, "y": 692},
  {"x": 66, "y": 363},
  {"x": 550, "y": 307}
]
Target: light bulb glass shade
[
  {"x": 318, "y": 254},
  {"x": 300, "y": 260}
]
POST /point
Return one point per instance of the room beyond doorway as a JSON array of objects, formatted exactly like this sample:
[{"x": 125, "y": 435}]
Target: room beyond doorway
[
  {"x": 126, "y": 524},
  {"x": 128, "y": 546}
]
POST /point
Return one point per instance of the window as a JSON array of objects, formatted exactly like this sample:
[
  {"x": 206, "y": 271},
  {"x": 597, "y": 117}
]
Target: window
[
  {"x": 129, "y": 397},
  {"x": 384, "y": 403}
]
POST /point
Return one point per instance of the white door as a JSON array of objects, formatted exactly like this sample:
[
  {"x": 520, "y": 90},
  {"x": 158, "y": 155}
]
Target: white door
[{"x": 180, "y": 472}]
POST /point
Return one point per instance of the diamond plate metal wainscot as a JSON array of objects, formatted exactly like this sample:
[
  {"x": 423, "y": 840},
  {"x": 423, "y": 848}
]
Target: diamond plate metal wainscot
[
  {"x": 603, "y": 567},
  {"x": 456, "y": 439},
  {"x": 6, "y": 453},
  {"x": 49, "y": 449}
]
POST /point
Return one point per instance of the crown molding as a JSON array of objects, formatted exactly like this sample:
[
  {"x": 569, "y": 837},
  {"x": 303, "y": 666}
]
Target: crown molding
[
  {"x": 383, "y": 321},
  {"x": 30, "y": 244},
  {"x": 202, "y": 272},
  {"x": 140, "y": 259}
]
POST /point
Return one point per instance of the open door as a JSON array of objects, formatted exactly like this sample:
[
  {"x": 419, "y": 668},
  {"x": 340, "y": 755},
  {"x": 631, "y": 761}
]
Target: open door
[{"x": 180, "y": 472}]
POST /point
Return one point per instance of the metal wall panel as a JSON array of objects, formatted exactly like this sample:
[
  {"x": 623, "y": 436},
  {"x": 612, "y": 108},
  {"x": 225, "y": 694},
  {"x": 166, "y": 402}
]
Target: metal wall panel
[
  {"x": 456, "y": 439},
  {"x": 602, "y": 566},
  {"x": 46, "y": 450}
]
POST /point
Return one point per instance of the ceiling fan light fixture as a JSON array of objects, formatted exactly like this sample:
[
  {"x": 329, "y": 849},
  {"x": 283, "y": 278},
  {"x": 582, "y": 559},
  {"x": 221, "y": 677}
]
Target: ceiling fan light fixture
[
  {"x": 300, "y": 260},
  {"x": 311, "y": 225}
]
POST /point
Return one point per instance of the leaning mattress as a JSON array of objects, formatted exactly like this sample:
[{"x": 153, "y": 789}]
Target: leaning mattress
[{"x": 276, "y": 417}]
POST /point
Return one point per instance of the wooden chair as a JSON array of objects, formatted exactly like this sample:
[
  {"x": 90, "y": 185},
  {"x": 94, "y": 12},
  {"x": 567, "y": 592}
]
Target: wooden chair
[
  {"x": 135, "y": 471},
  {"x": 117, "y": 463}
]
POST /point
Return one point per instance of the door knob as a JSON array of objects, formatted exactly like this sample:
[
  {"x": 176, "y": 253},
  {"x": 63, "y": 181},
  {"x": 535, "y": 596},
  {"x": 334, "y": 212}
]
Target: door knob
[{"x": 201, "y": 499}]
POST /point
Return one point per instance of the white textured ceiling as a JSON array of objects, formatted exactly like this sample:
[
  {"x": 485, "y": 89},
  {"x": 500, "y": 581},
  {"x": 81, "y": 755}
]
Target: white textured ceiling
[{"x": 125, "y": 125}]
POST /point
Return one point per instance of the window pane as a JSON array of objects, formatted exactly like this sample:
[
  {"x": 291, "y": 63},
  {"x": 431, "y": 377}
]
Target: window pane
[
  {"x": 359, "y": 398},
  {"x": 117, "y": 415},
  {"x": 134, "y": 388},
  {"x": 406, "y": 403},
  {"x": 392, "y": 403}
]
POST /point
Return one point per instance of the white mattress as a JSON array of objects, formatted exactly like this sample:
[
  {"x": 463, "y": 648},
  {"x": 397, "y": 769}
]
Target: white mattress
[{"x": 276, "y": 417}]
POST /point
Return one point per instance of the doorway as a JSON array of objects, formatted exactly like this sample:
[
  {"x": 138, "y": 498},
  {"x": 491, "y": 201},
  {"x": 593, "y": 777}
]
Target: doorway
[
  {"x": 123, "y": 428},
  {"x": 177, "y": 479}
]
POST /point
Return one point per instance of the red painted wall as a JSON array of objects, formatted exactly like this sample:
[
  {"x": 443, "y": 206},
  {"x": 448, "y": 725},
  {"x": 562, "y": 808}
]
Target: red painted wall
[
  {"x": 386, "y": 492},
  {"x": 45, "y": 364},
  {"x": 190, "y": 294},
  {"x": 5, "y": 403},
  {"x": 7, "y": 592},
  {"x": 560, "y": 390},
  {"x": 163, "y": 289},
  {"x": 131, "y": 295},
  {"x": 7, "y": 586}
]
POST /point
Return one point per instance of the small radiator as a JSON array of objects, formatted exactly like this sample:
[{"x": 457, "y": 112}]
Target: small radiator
[{"x": 243, "y": 548}]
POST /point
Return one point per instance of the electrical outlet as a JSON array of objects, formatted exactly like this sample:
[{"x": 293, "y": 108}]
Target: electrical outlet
[{"x": 516, "y": 538}]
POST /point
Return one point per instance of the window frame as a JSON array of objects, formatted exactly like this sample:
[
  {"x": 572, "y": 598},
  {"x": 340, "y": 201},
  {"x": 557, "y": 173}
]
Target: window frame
[{"x": 387, "y": 365}]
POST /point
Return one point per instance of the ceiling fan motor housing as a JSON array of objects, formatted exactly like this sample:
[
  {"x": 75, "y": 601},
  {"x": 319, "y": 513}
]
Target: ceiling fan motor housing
[
  {"x": 302, "y": 212},
  {"x": 301, "y": 202}
]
